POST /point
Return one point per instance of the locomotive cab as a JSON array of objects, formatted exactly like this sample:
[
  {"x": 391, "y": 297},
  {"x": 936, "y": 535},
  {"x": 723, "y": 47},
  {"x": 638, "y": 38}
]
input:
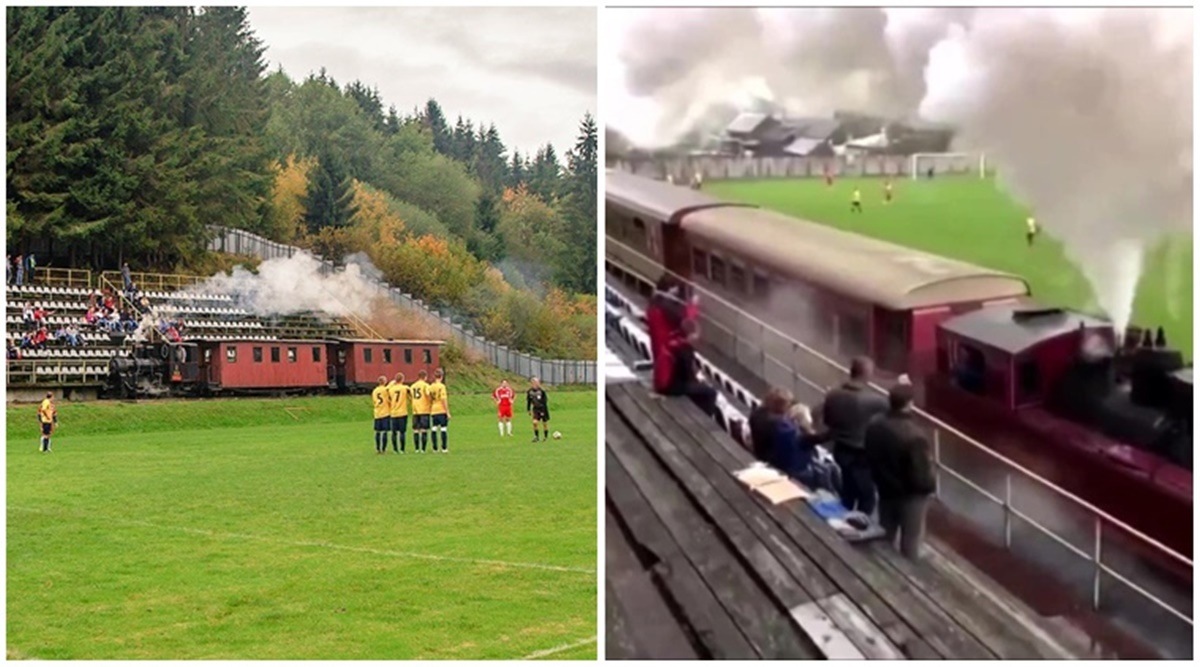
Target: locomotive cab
[{"x": 1034, "y": 364}]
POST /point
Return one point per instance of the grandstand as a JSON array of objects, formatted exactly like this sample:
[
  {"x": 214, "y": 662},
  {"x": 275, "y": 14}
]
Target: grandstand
[{"x": 82, "y": 371}]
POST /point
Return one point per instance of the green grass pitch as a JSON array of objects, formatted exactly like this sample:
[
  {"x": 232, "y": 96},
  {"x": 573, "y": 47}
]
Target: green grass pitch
[
  {"x": 973, "y": 220},
  {"x": 270, "y": 529}
]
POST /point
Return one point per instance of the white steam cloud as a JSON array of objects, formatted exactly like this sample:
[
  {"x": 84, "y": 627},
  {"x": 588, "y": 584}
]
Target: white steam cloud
[
  {"x": 295, "y": 284},
  {"x": 1085, "y": 113}
]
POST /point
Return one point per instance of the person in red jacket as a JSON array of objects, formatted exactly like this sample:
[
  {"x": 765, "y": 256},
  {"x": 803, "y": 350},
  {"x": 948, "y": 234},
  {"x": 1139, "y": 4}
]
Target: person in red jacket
[{"x": 672, "y": 323}]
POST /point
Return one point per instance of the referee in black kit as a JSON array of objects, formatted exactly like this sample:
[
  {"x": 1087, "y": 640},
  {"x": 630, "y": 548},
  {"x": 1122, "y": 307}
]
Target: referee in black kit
[{"x": 538, "y": 407}]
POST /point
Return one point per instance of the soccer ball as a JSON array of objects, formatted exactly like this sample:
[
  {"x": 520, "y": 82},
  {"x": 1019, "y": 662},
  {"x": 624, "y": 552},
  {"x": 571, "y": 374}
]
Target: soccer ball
[{"x": 557, "y": 435}]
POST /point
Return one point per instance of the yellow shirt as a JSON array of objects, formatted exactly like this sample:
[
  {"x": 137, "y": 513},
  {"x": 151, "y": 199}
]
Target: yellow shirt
[
  {"x": 46, "y": 412},
  {"x": 857, "y": 196},
  {"x": 437, "y": 396},
  {"x": 420, "y": 397},
  {"x": 398, "y": 395},
  {"x": 379, "y": 398},
  {"x": 1031, "y": 224}
]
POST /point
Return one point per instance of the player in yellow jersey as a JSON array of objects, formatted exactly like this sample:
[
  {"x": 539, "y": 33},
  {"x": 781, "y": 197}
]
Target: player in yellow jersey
[
  {"x": 440, "y": 408},
  {"x": 379, "y": 400},
  {"x": 856, "y": 201},
  {"x": 1031, "y": 230},
  {"x": 419, "y": 391},
  {"x": 48, "y": 418},
  {"x": 398, "y": 397}
]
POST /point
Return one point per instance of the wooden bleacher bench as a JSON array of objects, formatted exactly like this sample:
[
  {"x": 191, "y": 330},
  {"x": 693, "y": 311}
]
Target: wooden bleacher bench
[{"x": 698, "y": 566}]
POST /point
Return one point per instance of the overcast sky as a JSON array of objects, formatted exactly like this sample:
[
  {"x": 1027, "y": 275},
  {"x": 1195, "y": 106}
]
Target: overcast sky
[{"x": 530, "y": 71}]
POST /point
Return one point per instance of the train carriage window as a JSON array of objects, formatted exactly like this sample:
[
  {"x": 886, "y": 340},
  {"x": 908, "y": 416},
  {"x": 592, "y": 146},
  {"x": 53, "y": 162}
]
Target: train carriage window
[
  {"x": 387, "y": 355},
  {"x": 854, "y": 339},
  {"x": 428, "y": 355},
  {"x": 408, "y": 355},
  {"x": 762, "y": 285},
  {"x": 231, "y": 354},
  {"x": 1029, "y": 381},
  {"x": 274, "y": 355},
  {"x": 718, "y": 270},
  {"x": 699, "y": 263},
  {"x": 970, "y": 369},
  {"x": 737, "y": 278},
  {"x": 291, "y": 355},
  {"x": 341, "y": 355},
  {"x": 316, "y": 353},
  {"x": 639, "y": 234},
  {"x": 257, "y": 355},
  {"x": 367, "y": 354}
]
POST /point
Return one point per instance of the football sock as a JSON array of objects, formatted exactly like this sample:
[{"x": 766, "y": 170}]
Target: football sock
[
  {"x": 402, "y": 439},
  {"x": 545, "y": 434},
  {"x": 501, "y": 428},
  {"x": 424, "y": 440},
  {"x": 377, "y": 441},
  {"x": 510, "y": 428},
  {"x": 395, "y": 444},
  {"x": 445, "y": 439}
]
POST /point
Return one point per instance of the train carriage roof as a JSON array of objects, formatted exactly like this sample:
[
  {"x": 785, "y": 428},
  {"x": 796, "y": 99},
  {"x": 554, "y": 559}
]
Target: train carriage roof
[
  {"x": 655, "y": 200},
  {"x": 851, "y": 265},
  {"x": 1004, "y": 329}
]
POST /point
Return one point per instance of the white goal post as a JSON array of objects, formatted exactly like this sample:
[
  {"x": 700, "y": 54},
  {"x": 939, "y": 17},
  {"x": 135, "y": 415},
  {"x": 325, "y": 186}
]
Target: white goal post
[{"x": 947, "y": 163}]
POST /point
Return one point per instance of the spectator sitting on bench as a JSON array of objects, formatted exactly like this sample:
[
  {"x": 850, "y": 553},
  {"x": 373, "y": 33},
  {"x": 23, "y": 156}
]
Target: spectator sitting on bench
[
  {"x": 27, "y": 316},
  {"x": 764, "y": 423},
  {"x": 14, "y": 352},
  {"x": 801, "y": 456}
]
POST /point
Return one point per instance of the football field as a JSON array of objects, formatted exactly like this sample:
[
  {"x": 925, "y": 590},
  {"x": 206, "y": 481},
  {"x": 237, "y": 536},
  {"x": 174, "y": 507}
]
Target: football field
[
  {"x": 270, "y": 529},
  {"x": 971, "y": 219}
]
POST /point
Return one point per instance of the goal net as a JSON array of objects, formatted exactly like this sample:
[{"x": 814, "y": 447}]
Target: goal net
[{"x": 920, "y": 164}]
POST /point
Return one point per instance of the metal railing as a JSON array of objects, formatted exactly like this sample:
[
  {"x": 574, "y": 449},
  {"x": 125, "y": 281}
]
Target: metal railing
[
  {"x": 550, "y": 371},
  {"x": 56, "y": 277},
  {"x": 756, "y": 345},
  {"x": 153, "y": 282}
]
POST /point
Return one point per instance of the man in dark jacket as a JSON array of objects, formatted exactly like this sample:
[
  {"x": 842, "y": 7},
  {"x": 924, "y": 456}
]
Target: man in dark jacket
[
  {"x": 898, "y": 452},
  {"x": 846, "y": 413}
]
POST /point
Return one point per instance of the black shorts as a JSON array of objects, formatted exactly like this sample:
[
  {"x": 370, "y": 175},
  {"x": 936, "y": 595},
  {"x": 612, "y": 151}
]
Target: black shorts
[
  {"x": 441, "y": 420},
  {"x": 400, "y": 423},
  {"x": 383, "y": 423},
  {"x": 46, "y": 428},
  {"x": 420, "y": 422},
  {"x": 541, "y": 415}
]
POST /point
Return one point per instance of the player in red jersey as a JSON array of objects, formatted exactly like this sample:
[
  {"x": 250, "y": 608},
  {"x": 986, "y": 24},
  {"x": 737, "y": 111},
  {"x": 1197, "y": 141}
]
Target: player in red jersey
[{"x": 504, "y": 400}]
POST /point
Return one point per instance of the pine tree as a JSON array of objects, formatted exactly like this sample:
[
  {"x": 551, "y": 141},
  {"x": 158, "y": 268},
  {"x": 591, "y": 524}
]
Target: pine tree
[
  {"x": 517, "y": 171},
  {"x": 544, "y": 174},
  {"x": 330, "y": 199},
  {"x": 435, "y": 120},
  {"x": 579, "y": 206},
  {"x": 490, "y": 166}
]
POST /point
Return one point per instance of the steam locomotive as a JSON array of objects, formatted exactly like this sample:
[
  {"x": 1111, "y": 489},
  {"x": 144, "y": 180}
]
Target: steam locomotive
[
  {"x": 1047, "y": 387},
  {"x": 212, "y": 367}
]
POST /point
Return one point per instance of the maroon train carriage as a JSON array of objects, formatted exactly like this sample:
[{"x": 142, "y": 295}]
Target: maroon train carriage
[
  {"x": 265, "y": 364},
  {"x": 360, "y": 361},
  {"x": 841, "y": 293},
  {"x": 259, "y": 365}
]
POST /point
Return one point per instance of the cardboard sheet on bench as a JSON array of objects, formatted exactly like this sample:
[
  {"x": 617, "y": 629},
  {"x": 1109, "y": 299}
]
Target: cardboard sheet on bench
[{"x": 771, "y": 484}]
